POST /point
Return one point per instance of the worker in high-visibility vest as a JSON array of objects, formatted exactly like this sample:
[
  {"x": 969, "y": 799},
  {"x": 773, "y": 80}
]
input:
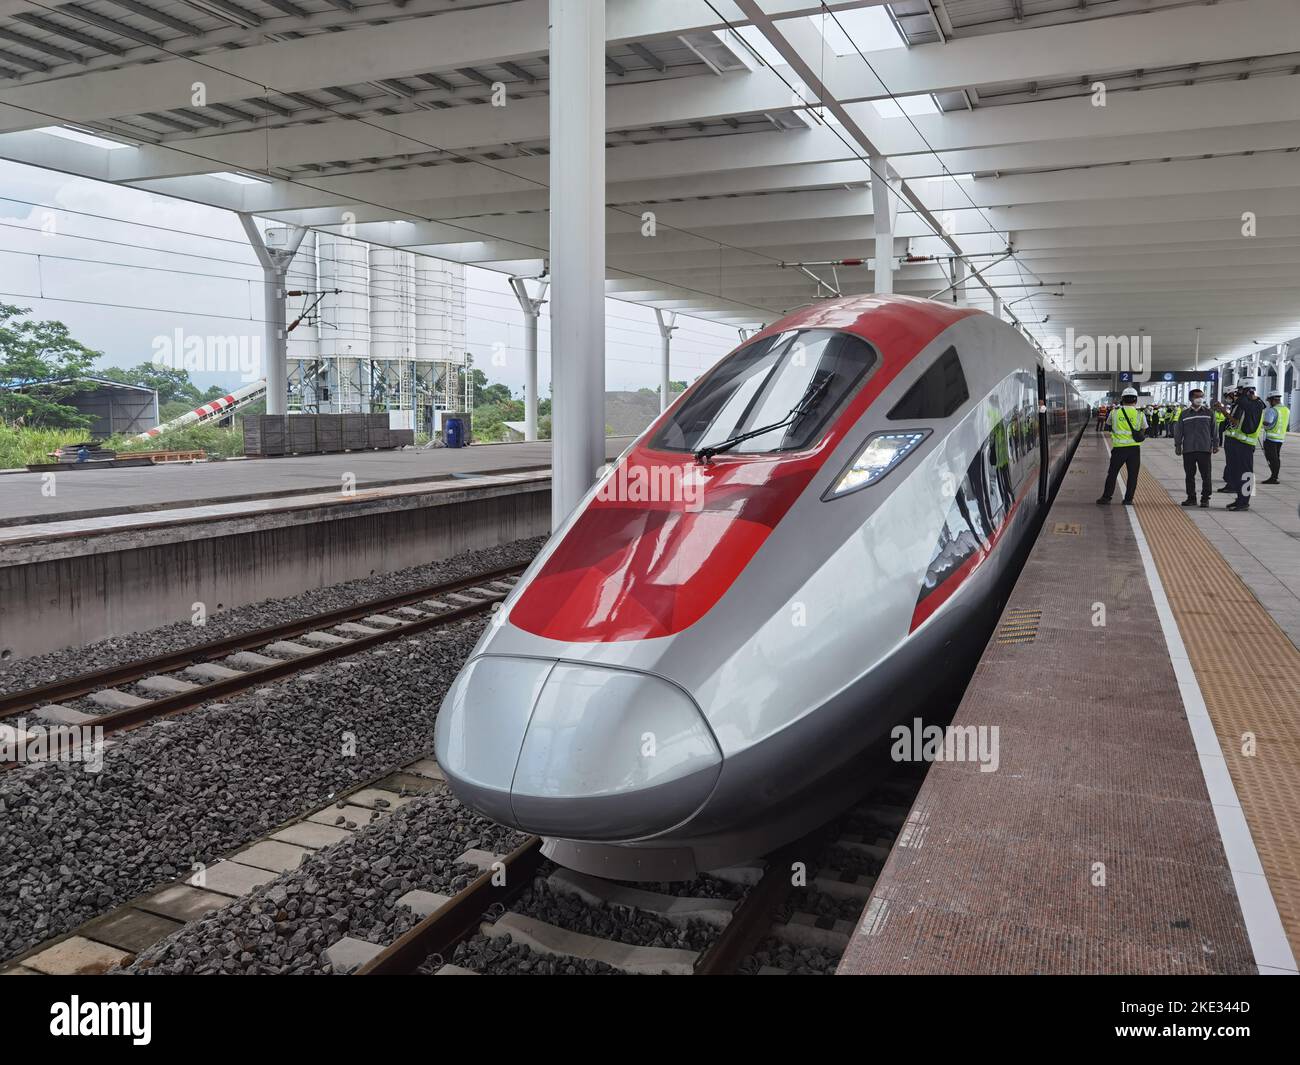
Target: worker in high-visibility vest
[
  {"x": 1128, "y": 426},
  {"x": 1276, "y": 420},
  {"x": 1245, "y": 429},
  {"x": 1225, "y": 409}
]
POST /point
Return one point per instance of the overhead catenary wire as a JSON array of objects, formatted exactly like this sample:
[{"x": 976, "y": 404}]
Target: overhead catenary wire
[
  {"x": 506, "y": 305},
  {"x": 457, "y": 154},
  {"x": 252, "y": 319},
  {"x": 453, "y": 153},
  {"x": 508, "y": 300},
  {"x": 204, "y": 314},
  {"x": 938, "y": 232},
  {"x": 933, "y": 151},
  {"x": 763, "y": 312}
]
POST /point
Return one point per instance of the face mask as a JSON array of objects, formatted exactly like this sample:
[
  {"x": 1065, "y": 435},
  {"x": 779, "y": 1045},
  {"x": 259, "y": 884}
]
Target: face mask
[{"x": 1197, "y": 401}]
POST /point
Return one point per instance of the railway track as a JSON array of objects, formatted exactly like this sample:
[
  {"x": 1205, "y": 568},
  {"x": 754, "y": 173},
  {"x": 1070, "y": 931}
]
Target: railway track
[
  {"x": 780, "y": 907},
  {"x": 787, "y": 901},
  {"x": 181, "y": 680}
]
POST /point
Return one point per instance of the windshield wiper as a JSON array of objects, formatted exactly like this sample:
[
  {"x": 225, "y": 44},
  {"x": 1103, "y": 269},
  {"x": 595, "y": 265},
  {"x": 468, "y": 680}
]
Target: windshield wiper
[{"x": 811, "y": 397}]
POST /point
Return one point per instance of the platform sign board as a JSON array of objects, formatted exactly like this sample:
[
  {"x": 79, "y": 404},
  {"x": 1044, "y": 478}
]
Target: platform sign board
[{"x": 1174, "y": 376}]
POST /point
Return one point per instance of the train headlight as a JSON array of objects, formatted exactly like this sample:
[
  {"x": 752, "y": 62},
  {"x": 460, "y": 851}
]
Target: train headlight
[{"x": 880, "y": 454}]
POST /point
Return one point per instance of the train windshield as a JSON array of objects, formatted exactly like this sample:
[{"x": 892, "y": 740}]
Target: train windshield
[{"x": 762, "y": 384}]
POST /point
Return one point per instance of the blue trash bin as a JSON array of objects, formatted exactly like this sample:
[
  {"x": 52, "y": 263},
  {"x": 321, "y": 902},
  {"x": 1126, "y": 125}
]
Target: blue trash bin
[{"x": 453, "y": 432}]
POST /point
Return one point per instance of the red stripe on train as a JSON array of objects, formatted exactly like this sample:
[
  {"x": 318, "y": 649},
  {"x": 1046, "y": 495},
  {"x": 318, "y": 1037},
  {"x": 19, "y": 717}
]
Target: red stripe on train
[{"x": 640, "y": 569}]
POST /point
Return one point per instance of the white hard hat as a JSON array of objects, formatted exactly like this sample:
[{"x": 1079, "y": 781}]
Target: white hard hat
[
  {"x": 1275, "y": 392},
  {"x": 1129, "y": 392},
  {"x": 1246, "y": 384}
]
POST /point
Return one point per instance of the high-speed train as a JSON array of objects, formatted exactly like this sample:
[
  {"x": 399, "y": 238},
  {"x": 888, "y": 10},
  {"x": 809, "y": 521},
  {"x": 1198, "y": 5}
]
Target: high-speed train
[{"x": 782, "y": 567}]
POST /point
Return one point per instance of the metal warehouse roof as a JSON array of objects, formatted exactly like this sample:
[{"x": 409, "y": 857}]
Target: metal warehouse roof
[
  {"x": 102, "y": 382},
  {"x": 742, "y": 129}
]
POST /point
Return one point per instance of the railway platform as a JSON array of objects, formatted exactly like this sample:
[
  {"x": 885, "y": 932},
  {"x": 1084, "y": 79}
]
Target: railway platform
[
  {"x": 1141, "y": 817},
  {"x": 121, "y": 550},
  {"x": 91, "y": 493}
]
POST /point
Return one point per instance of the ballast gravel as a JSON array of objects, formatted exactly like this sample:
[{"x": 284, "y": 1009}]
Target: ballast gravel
[
  {"x": 797, "y": 961},
  {"x": 19, "y": 673},
  {"x": 348, "y": 889},
  {"x": 196, "y": 787},
  {"x": 500, "y": 957}
]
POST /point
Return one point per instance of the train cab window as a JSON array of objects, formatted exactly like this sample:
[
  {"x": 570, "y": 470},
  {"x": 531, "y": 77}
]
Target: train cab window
[
  {"x": 764, "y": 384},
  {"x": 937, "y": 393}
]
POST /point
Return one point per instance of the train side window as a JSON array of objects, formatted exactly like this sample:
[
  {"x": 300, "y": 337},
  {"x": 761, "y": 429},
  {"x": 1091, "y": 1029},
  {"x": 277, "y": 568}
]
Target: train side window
[
  {"x": 961, "y": 536},
  {"x": 937, "y": 393}
]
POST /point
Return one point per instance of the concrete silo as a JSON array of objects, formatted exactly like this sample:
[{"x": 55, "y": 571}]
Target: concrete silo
[
  {"x": 391, "y": 339},
  {"x": 392, "y": 333},
  {"x": 440, "y": 312},
  {"x": 344, "y": 335}
]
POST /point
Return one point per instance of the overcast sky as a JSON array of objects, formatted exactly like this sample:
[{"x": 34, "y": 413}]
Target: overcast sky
[{"x": 121, "y": 267}]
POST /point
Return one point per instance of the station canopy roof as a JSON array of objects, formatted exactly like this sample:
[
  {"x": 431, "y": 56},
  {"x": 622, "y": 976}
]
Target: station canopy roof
[{"x": 752, "y": 129}]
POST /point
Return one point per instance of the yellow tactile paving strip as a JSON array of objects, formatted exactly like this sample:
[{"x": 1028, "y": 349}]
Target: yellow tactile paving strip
[{"x": 1235, "y": 648}]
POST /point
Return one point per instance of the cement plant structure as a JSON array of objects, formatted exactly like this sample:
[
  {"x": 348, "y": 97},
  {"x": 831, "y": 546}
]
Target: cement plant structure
[{"x": 388, "y": 333}]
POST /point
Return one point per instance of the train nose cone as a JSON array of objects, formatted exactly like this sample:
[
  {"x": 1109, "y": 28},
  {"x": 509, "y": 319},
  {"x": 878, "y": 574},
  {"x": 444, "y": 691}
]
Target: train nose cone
[{"x": 575, "y": 751}]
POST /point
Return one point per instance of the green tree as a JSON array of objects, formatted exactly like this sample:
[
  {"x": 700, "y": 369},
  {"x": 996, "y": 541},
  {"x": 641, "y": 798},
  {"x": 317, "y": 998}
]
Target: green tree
[
  {"x": 490, "y": 418},
  {"x": 39, "y": 351},
  {"x": 172, "y": 385},
  {"x": 493, "y": 394}
]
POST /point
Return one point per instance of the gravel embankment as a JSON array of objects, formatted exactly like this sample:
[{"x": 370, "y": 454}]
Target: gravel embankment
[
  {"x": 19, "y": 673},
  {"x": 195, "y": 788},
  {"x": 349, "y": 889}
]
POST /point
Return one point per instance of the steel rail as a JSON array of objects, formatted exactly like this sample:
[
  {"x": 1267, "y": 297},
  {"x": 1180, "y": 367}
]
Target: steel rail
[
  {"x": 85, "y": 683},
  {"x": 459, "y": 917}
]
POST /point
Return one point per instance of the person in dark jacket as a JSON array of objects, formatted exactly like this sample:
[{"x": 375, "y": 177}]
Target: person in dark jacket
[{"x": 1196, "y": 439}]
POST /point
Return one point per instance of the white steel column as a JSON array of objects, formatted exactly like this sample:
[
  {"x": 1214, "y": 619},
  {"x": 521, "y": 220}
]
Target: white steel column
[
  {"x": 532, "y": 307},
  {"x": 883, "y": 213},
  {"x": 666, "y": 327},
  {"x": 577, "y": 172},
  {"x": 997, "y": 307},
  {"x": 275, "y": 265}
]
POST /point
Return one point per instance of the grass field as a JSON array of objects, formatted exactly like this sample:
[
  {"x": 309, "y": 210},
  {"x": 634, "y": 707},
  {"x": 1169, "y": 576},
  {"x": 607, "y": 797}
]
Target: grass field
[
  {"x": 21, "y": 447},
  {"x": 216, "y": 441}
]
